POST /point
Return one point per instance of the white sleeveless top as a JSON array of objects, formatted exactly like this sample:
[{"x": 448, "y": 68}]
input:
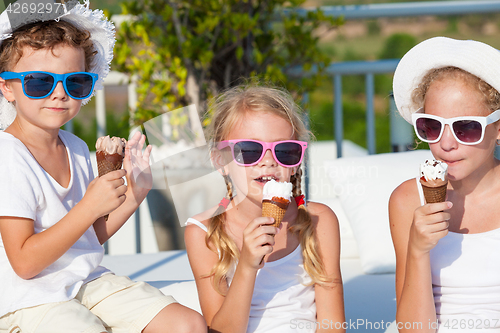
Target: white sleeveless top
[
  {"x": 466, "y": 280},
  {"x": 281, "y": 302}
]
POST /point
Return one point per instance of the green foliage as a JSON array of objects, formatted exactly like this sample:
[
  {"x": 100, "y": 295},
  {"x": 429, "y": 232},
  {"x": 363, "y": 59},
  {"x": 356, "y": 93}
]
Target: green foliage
[
  {"x": 354, "y": 124},
  {"x": 182, "y": 52},
  {"x": 115, "y": 126},
  {"x": 397, "y": 45},
  {"x": 452, "y": 24},
  {"x": 373, "y": 27}
]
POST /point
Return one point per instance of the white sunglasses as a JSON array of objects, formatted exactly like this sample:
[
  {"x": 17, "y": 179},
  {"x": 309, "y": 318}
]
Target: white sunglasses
[{"x": 467, "y": 130}]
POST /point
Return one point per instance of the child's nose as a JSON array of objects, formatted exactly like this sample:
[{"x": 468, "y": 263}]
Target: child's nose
[
  {"x": 59, "y": 91},
  {"x": 268, "y": 159},
  {"x": 448, "y": 141}
]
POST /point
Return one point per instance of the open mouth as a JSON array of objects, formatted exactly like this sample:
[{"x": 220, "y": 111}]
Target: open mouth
[{"x": 265, "y": 179}]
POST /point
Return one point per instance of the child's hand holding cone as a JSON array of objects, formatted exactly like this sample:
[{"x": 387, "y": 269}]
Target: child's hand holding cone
[
  {"x": 109, "y": 155},
  {"x": 275, "y": 200}
]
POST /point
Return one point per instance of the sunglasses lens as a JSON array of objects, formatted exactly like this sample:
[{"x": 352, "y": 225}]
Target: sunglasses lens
[
  {"x": 79, "y": 85},
  {"x": 467, "y": 130},
  {"x": 428, "y": 129},
  {"x": 38, "y": 84},
  {"x": 288, "y": 153},
  {"x": 247, "y": 152}
]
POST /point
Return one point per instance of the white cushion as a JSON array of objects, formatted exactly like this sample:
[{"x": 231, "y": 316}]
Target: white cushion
[
  {"x": 364, "y": 185},
  {"x": 321, "y": 191}
]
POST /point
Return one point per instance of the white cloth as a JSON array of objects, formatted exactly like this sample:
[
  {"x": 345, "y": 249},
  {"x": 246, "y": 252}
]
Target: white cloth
[
  {"x": 281, "y": 301},
  {"x": 28, "y": 191},
  {"x": 466, "y": 281}
]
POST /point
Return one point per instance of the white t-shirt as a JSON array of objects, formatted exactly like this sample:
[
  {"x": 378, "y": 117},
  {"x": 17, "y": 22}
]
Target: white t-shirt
[{"x": 28, "y": 191}]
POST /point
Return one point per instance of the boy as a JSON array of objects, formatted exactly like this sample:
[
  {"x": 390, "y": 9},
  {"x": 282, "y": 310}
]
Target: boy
[{"x": 51, "y": 211}]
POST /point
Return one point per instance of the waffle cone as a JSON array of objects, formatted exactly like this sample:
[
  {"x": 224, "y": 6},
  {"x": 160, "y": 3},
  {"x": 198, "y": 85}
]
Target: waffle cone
[
  {"x": 270, "y": 209},
  {"x": 435, "y": 194},
  {"x": 107, "y": 163}
]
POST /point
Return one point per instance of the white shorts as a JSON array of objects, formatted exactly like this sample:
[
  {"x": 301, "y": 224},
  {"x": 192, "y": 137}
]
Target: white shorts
[{"x": 108, "y": 304}]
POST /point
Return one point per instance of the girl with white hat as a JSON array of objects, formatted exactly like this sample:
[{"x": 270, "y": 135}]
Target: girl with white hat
[{"x": 448, "y": 253}]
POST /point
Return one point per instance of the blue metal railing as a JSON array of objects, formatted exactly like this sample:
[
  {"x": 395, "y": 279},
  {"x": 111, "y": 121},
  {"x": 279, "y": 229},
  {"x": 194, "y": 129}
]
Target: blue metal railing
[
  {"x": 369, "y": 68},
  {"x": 337, "y": 70},
  {"x": 406, "y": 9}
]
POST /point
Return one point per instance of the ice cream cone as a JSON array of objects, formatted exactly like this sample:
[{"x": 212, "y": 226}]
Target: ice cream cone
[
  {"x": 108, "y": 162},
  {"x": 275, "y": 208},
  {"x": 275, "y": 200},
  {"x": 109, "y": 156},
  {"x": 435, "y": 194},
  {"x": 434, "y": 180}
]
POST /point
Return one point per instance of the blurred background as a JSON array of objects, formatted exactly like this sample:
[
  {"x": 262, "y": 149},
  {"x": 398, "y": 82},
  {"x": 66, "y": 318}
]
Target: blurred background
[
  {"x": 178, "y": 53},
  {"x": 362, "y": 39}
]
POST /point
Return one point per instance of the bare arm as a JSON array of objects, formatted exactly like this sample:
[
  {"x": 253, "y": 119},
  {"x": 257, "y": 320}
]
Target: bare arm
[
  {"x": 415, "y": 231},
  {"x": 229, "y": 313},
  {"x": 329, "y": 298},
  {"x": 29, "y": 253}
]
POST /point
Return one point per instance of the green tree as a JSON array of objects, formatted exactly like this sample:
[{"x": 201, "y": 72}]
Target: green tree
[
  {"x": 183, "y": 52},
  {"x": 397, "y": 45}
]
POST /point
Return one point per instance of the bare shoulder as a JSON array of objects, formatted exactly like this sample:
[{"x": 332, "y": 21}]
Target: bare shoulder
[
  {"x": 319, "y": 209},
  {"x": 327, "y": 234},
  {"x": 200, "y": 256},
  {"x": 405, "y": 197},
  {"x": 405, "y": 189},
  {"x": 323, "y": 217},
  {"x": 203, "y": 217},
  {"x": 194, "y": 234},
  {"x": 403, "y": 202}
]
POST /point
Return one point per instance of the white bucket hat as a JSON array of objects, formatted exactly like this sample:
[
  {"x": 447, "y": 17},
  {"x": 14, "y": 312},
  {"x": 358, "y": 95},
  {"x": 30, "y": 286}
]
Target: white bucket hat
[
  {"x": 474, "y": 57},
  {"x": 102, "y": 34}
]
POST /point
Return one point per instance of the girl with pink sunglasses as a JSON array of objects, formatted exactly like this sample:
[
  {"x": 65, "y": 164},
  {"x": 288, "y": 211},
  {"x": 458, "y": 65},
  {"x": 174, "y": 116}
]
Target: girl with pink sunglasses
[
  {"x": 257, "y": 135},
  {"x": 447, "y": 254}
]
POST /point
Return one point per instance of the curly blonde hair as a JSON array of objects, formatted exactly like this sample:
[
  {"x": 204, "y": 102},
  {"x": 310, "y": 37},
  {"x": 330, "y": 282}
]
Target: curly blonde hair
[
  {"x": 226, "y": 109},
  {"x": 491, "y": 96}
]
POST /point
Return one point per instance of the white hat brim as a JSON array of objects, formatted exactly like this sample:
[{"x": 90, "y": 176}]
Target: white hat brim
[{"x": 474, "y": 57}]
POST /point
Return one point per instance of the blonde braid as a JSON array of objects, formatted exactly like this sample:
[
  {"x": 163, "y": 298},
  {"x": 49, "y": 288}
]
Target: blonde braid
[
  {"x": 313, "y": 264},
  {"x": 229, "y": 187},
  {"x": 296, "y": 180},
  {"x": 219, "y": 241}
]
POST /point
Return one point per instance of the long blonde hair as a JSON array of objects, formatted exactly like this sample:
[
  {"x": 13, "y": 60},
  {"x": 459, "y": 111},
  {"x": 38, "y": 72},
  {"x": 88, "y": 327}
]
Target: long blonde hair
[{"x": 225, "y": 111}]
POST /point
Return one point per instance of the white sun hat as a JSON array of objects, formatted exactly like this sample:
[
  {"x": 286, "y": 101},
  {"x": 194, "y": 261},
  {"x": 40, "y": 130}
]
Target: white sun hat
[
  {"x": 474, "y": 57},
  {"x": 102, "y": 34}
]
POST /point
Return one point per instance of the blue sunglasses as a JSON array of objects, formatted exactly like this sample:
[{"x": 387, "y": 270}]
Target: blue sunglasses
[{"x": 78, "y": 85}]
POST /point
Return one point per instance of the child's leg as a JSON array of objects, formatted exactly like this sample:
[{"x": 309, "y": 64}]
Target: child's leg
[
  {"x": 59, "y": 317},
  {"x": 127, "y": 306},
  {"x": 178, "y": 319}
]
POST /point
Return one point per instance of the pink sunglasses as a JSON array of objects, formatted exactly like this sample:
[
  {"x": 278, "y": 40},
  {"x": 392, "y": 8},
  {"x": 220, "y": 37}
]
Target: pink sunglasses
[{"x": 288, "y": 153}]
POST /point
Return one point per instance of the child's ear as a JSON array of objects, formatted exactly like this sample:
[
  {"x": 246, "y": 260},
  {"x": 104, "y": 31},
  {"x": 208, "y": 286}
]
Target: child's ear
[
  {"x": 218, "y": 160},
  {"x": 6, "y": 89}
]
